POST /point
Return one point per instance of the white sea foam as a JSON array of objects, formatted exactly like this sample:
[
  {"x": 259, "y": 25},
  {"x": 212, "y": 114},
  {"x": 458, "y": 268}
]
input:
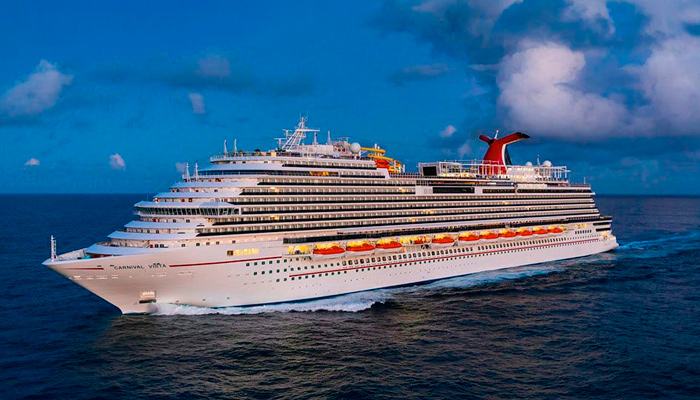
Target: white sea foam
[
  {"x": 353, "y": 302},
  {"x": 356, "y": 302}
]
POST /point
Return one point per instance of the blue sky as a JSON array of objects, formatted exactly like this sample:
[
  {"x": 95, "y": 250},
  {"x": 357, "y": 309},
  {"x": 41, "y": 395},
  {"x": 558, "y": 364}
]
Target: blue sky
[{"x": 98, "y": 97}]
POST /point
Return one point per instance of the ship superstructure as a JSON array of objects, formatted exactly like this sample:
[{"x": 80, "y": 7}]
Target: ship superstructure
[{"x": 306, "y": 221}]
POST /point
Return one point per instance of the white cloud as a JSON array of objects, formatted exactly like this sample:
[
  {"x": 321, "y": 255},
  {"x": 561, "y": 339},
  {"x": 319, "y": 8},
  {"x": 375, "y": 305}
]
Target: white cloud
[
  {"x": 670, "y": 80},
  {"x": 197, "y": 103},
  {"x": 448, "y": 131},
  {"x": 419, "y": 73},
  {"x": 464, "y": 150},
  {"x": 39, "y": 92},
  {"x": 589, "y": 10},
  {"x": 181, "y": 167},
  {"x": 31, "y": 162},
  {"x": 538, "y": 93},
  {"x": 117, "y": 162},
  {"x": 668, "y": 18},
  {"x": 214, "y": 66},
  {"x": 428, "y": 70},
  {"x": 486, "y": 12}
]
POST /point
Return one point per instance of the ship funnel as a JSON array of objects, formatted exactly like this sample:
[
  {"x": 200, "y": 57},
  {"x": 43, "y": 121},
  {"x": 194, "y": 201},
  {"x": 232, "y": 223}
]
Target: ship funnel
[{"x": 497, "y": 153}]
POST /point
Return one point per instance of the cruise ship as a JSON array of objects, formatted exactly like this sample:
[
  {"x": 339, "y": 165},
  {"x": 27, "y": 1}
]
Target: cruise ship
[{"x": 307, "y": 221}]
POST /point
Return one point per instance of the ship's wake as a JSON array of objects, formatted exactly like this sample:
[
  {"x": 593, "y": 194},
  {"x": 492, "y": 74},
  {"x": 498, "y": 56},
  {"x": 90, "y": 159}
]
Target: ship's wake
[
  {"x": 661, "y": 247},
  {"x": 356, "y": 302},
  {"x": 488, "y": 277}
]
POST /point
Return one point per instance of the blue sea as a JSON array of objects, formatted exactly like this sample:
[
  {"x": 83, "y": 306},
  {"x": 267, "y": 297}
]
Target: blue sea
[{"x": 619, "y": 325}]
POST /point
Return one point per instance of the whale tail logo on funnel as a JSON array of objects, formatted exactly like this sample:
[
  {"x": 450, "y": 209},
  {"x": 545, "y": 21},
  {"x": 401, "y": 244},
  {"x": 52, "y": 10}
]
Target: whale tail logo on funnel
[{"x": 497, "y": 158}]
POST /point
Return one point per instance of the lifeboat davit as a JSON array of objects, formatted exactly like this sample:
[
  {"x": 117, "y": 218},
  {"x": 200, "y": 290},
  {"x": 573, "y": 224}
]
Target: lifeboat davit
[
  {"x": 468, "y": 238},
  {"x": 556, "y": 230},
  {"x": 488, "y": 235},
  {"x": 444, "y": 241},
  {"x": 525, "y": 232},
  {"x": 541, "y": 231},
  {"x": 360, "y": 249},
  {"x": 388, "y": 247},
  {"x": 321, "y": 253},
  {"x": 507, "y": 234}
]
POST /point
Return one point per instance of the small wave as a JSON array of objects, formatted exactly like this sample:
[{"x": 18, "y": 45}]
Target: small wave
[{"x": 353, "y": 302}]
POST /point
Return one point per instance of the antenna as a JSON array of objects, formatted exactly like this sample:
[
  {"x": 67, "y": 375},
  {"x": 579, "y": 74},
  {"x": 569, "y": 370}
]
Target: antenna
[
  {"x": 225, "y": 151},
  {"x": 496, "y": 135},
  {"x": 53, "y": 248},
  {"x": 329, "y": 137},
  {"x": 235, "y": 147},
  {"x": 196, "y": 172},
  {"x": 187, "y": 171},
  {"x": 294, "y": 140}
]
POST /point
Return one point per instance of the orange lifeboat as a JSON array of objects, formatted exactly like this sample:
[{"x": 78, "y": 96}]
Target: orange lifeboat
[
  {"x": 389, "y": 246},
  {"x": 507, "y": 234},
  {"x": 541, "y": 231},
  {"x": 488, "y": 235},
  {"x": 525, "y": 232},
  {"x": 328, "y": 252},
  {"x": 468, "y": 238},
  {"x": 443, "y": 241},
  {"x": 420, "y": 241},
  {"x": 360, "y": 248},
  {"x": 555, "y": 230}
]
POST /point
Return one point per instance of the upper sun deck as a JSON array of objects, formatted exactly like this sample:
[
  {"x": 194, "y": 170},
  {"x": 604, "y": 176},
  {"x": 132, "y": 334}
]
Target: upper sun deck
[
  {"x": 477, "y": 169},
  {"x": 292, "y": 146},
  {"x": 277, "y": 155},
  {"x": 293, "y": 157},
  {"x": 291, "y": 149}
]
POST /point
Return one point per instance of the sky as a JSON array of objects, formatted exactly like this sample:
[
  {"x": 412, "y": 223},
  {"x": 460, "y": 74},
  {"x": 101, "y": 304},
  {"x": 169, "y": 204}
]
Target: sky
[{"x": 108, "y": 97}]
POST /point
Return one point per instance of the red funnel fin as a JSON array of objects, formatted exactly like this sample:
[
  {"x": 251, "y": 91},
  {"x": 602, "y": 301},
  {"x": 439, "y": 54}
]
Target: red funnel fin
[{"x": 486, "y": 139}]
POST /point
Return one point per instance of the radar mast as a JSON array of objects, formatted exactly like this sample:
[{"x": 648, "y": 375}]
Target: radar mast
[{"x": 294, "y": 140}]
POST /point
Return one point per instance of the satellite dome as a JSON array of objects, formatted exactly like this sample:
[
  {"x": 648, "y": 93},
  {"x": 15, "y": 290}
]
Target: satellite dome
[
  {"x": 547, "y": 163},
  {"x": 528, "y": 164},
  {"x": 355, "y": 148}
]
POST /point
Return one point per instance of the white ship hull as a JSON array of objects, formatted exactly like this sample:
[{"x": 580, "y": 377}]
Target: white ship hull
[{"x": 207, "y": 277}]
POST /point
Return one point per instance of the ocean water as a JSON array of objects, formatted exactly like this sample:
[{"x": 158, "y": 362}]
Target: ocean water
[{"x": 619, "y": 325}]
